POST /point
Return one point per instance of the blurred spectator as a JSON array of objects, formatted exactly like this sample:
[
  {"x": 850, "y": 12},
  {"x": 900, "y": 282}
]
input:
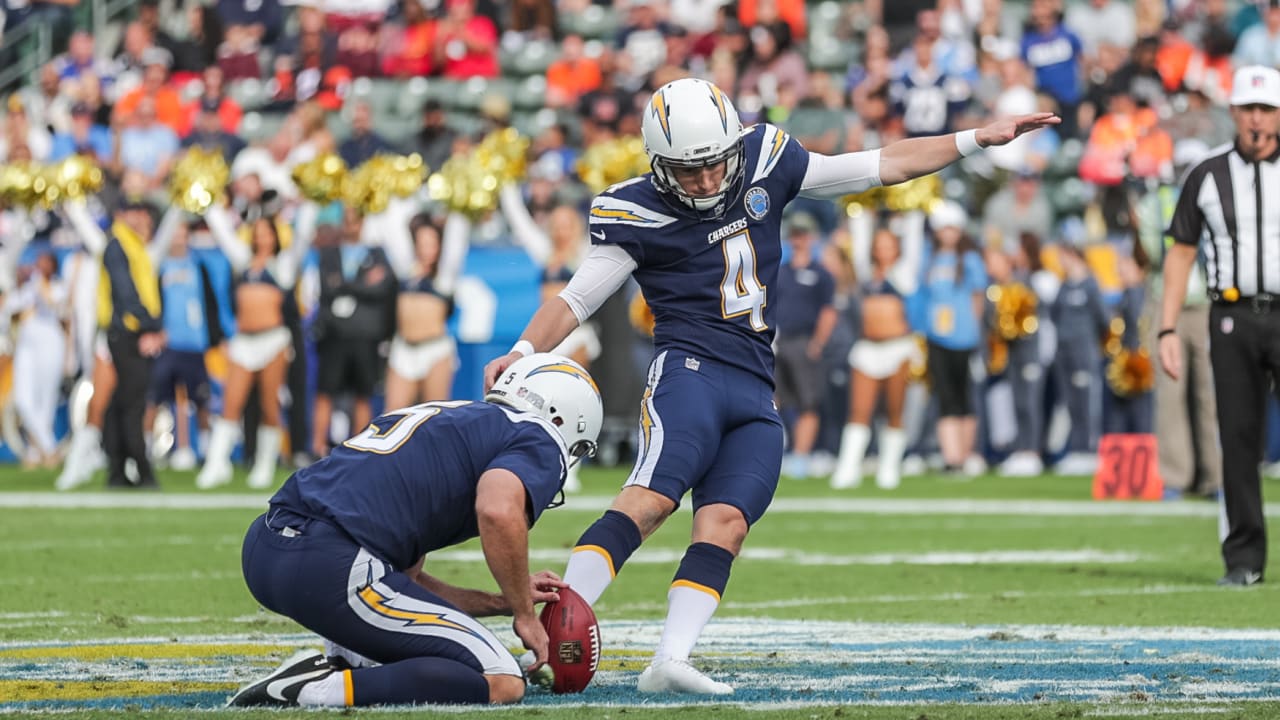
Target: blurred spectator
[
  {"x": 531, "y": 19},
  {"x": 269, "y": 163},
  {"x": 1081, "y": 321},
  {"x": 147, "y": 145},
  {"x": 147, "y": 14},
  {"x": 80, "y": 58},
  {"x": 199, "y": 49},
  {"x": 898, "y": 17},
  {"x": 129, "y": 60},
  {"x": 309, "y": 124},
  {"x": 770, "y": 13},
  {"x": 434, "y": 142},
  {"x": 954, "y": 281},
  {"x": 20, "y": 132},
  {"x": 357, "y": 311},
  {"x": 641, "y": 42},
  {"x": 572, "y": 74},
  {"x": 928, "y": 100},
  {"x": 407, "y": 46},
  {"x": 995, "y": 26},
  {"x": 700, "y": 17},
  {"x": 1142, "y": 77},
  {"x": 58, "y": 15},
  {"x": 214, "y": 96},
  {"x": 1018, "y": 208},
  {"x": 250, "y": 23},
  {"x": 820, "y": 123},
  {"x": 1053, "y": 52},
  {"x": 165, "y": 101},
  {"x": 1208, "y": 68},
  {"x": 85, "y": 137},
  {"x": 1200, "y": 119},
  {"x": 874, "y": 74},
  {"x": 805, "y": 319},
  {"x": 343, "y": 15},
  {"x": 210, "y": 133},
  {"x": 302, "y": 59},
  {"x": 773, "y": 66},
  {"x": 953, "y": 55},
  {"x": 1126, "y": 141},
  {"x": 364, "y": 143},
  {"x": 1101, "y": 22},
  {"x": 46, "y": 106},
  {"x": 1260, "y": 43},
  {"x": 466, "y": 44}
]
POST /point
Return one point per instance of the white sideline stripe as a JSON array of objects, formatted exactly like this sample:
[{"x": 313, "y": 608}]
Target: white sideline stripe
[
  {"x": 793, "y": 557},
  {"x": 598, "y": 503}
]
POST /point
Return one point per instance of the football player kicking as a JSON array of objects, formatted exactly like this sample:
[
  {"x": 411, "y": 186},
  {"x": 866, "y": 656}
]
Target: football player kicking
[
  {"x": 340, "y": 550},
  {"x": 701, "y": 235}
]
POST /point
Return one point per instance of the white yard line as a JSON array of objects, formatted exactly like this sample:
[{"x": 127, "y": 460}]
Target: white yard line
[{"x": 597, "y": 503}]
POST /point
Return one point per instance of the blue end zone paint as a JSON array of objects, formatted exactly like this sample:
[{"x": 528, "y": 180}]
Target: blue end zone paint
[{"x": 773, "y": 663}]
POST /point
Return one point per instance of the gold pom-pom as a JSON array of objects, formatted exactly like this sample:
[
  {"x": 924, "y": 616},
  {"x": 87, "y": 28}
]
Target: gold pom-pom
[
  {"x": 1015, "y": 310},
  {"x": 21, "y": 184},
  {"x": 1131, "y": 372},
  {"x": 641, "y": 315},
  {"x": 608, "y": 163},
  {"x": 469, "y": 184},
  {"x": 198, "y": 179},
  {"x": 320, "y": 179},
  {"x": 918, "y": 369},
  {"x": 921, "y": 193},
  {"x": 73, "y": 178}
]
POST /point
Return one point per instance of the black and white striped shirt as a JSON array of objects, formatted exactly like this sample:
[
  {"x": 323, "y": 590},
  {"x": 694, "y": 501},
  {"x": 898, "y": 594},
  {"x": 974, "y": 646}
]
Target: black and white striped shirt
[{"x": 1233, "y": 206}]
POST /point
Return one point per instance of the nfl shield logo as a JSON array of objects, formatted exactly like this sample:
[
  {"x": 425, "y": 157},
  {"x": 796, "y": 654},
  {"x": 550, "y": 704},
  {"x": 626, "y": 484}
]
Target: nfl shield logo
[{"x": 757, "y": 202}]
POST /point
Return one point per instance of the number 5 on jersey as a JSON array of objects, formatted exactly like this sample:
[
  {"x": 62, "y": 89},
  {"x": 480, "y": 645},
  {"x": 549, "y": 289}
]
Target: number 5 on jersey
[{"x": 741, "y": 292}]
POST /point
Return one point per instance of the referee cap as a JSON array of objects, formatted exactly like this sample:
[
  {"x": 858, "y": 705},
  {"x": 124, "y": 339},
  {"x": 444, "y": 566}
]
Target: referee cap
[{"x": 1256, "y": 85}]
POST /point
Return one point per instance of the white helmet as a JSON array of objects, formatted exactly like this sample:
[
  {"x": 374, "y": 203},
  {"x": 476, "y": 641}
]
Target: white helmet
[
  {"x": 557, "y": 389},
  {"x": 691, "y": 123}
]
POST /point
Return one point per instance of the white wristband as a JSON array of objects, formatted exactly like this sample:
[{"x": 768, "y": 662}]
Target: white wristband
[
  {"x": 967, "y": 142},
  {"x": 524, "y": 347}
]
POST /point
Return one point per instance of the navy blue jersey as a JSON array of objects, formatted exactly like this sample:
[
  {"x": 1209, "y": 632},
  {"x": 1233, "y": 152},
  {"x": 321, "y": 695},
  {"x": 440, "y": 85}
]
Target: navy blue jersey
[
  {"x": 709, "y": 281},
  {"x": 407, "y": 485},
  {"x": 929, "y": 102}
]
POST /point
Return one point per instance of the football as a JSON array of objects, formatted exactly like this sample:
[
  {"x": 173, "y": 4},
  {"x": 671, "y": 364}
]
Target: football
[{"x": 574, "y": 648}]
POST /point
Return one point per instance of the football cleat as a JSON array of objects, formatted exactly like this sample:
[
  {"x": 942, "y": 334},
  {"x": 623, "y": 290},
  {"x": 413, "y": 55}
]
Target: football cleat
[
  {"x": 281, "y": 688},
  {"x": 1240, "y": 577},
  {"x": 678, "y": 676}
]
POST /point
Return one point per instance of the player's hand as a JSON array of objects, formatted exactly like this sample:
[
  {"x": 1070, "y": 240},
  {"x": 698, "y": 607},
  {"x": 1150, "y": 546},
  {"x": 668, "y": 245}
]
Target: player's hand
[
  {"x": 1171, "y": 355},
  {"x": 530, "y": 631},
  {"x": 545, "y": 585},
  {"x": 1002, "y": 132},
  {"x": 496, "y": 366}
]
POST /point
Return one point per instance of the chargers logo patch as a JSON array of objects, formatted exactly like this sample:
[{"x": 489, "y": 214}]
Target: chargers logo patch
[{"x": 757, "y": 203}]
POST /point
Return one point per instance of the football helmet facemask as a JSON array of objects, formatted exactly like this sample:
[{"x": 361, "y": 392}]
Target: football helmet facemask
[
  {"x": 691, "y": 123},
  {"x": 560, "y": 391}
]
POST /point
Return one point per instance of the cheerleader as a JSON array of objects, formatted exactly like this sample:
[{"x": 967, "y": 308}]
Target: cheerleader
[
  {"x": 423, "y": 356},
  {"x": 257, "y": 354},
  {"x": 886, "y": 267},
  {"x": 40, "y": 304},
  {"x": 558, "y": 252}
]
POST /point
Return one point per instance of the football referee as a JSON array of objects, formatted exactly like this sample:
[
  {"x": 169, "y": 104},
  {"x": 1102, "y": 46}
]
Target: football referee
[{"x": 1230, "y": 207}]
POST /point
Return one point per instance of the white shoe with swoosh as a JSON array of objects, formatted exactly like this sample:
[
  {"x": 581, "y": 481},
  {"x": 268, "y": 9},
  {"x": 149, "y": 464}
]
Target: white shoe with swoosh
[{"x": 281, "y": 687}]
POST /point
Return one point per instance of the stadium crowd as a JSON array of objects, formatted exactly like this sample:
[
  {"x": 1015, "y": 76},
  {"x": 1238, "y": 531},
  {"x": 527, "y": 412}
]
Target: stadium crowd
[{"x": 1026, "y": 275}]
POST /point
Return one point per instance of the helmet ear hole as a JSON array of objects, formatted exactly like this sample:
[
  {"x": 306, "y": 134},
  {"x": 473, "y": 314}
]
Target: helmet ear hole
[{"x": 557, "y": 421}]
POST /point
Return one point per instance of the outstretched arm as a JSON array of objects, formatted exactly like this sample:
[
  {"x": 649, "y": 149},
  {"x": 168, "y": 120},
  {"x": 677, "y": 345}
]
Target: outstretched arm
[
  {"x": 454, "y": 243},
  {"x": 162, "y": 239},
  {"x": 916, "y": 157},
  {"x": 831, "y": 176},
  {"x": 222, "y": 225},
  {"x": 526, "y": 231}
]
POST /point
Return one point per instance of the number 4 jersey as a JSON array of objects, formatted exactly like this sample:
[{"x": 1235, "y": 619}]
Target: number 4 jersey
[
  {"x": 407, "y": 485},
  {"x": 710, "y": 282}
]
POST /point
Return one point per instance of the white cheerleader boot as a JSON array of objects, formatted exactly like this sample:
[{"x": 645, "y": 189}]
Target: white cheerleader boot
[
  {"x": 893, "y": 444},
  {"x": 853, "y": 448},
  {"x": 263, "y": 473},
  {"x": 217, "y": 461}
]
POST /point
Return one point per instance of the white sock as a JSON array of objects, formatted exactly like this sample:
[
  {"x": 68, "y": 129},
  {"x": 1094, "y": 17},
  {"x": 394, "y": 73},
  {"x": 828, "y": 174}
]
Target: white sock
[
  {"x": 688, "y": 611},
  {"x": 588, "y": 573},
  {"x": 330, "y": 691}
]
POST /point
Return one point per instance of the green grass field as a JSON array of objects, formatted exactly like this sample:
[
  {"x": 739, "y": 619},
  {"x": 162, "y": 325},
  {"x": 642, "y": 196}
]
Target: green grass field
[{"x": 990, "y": 598}]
